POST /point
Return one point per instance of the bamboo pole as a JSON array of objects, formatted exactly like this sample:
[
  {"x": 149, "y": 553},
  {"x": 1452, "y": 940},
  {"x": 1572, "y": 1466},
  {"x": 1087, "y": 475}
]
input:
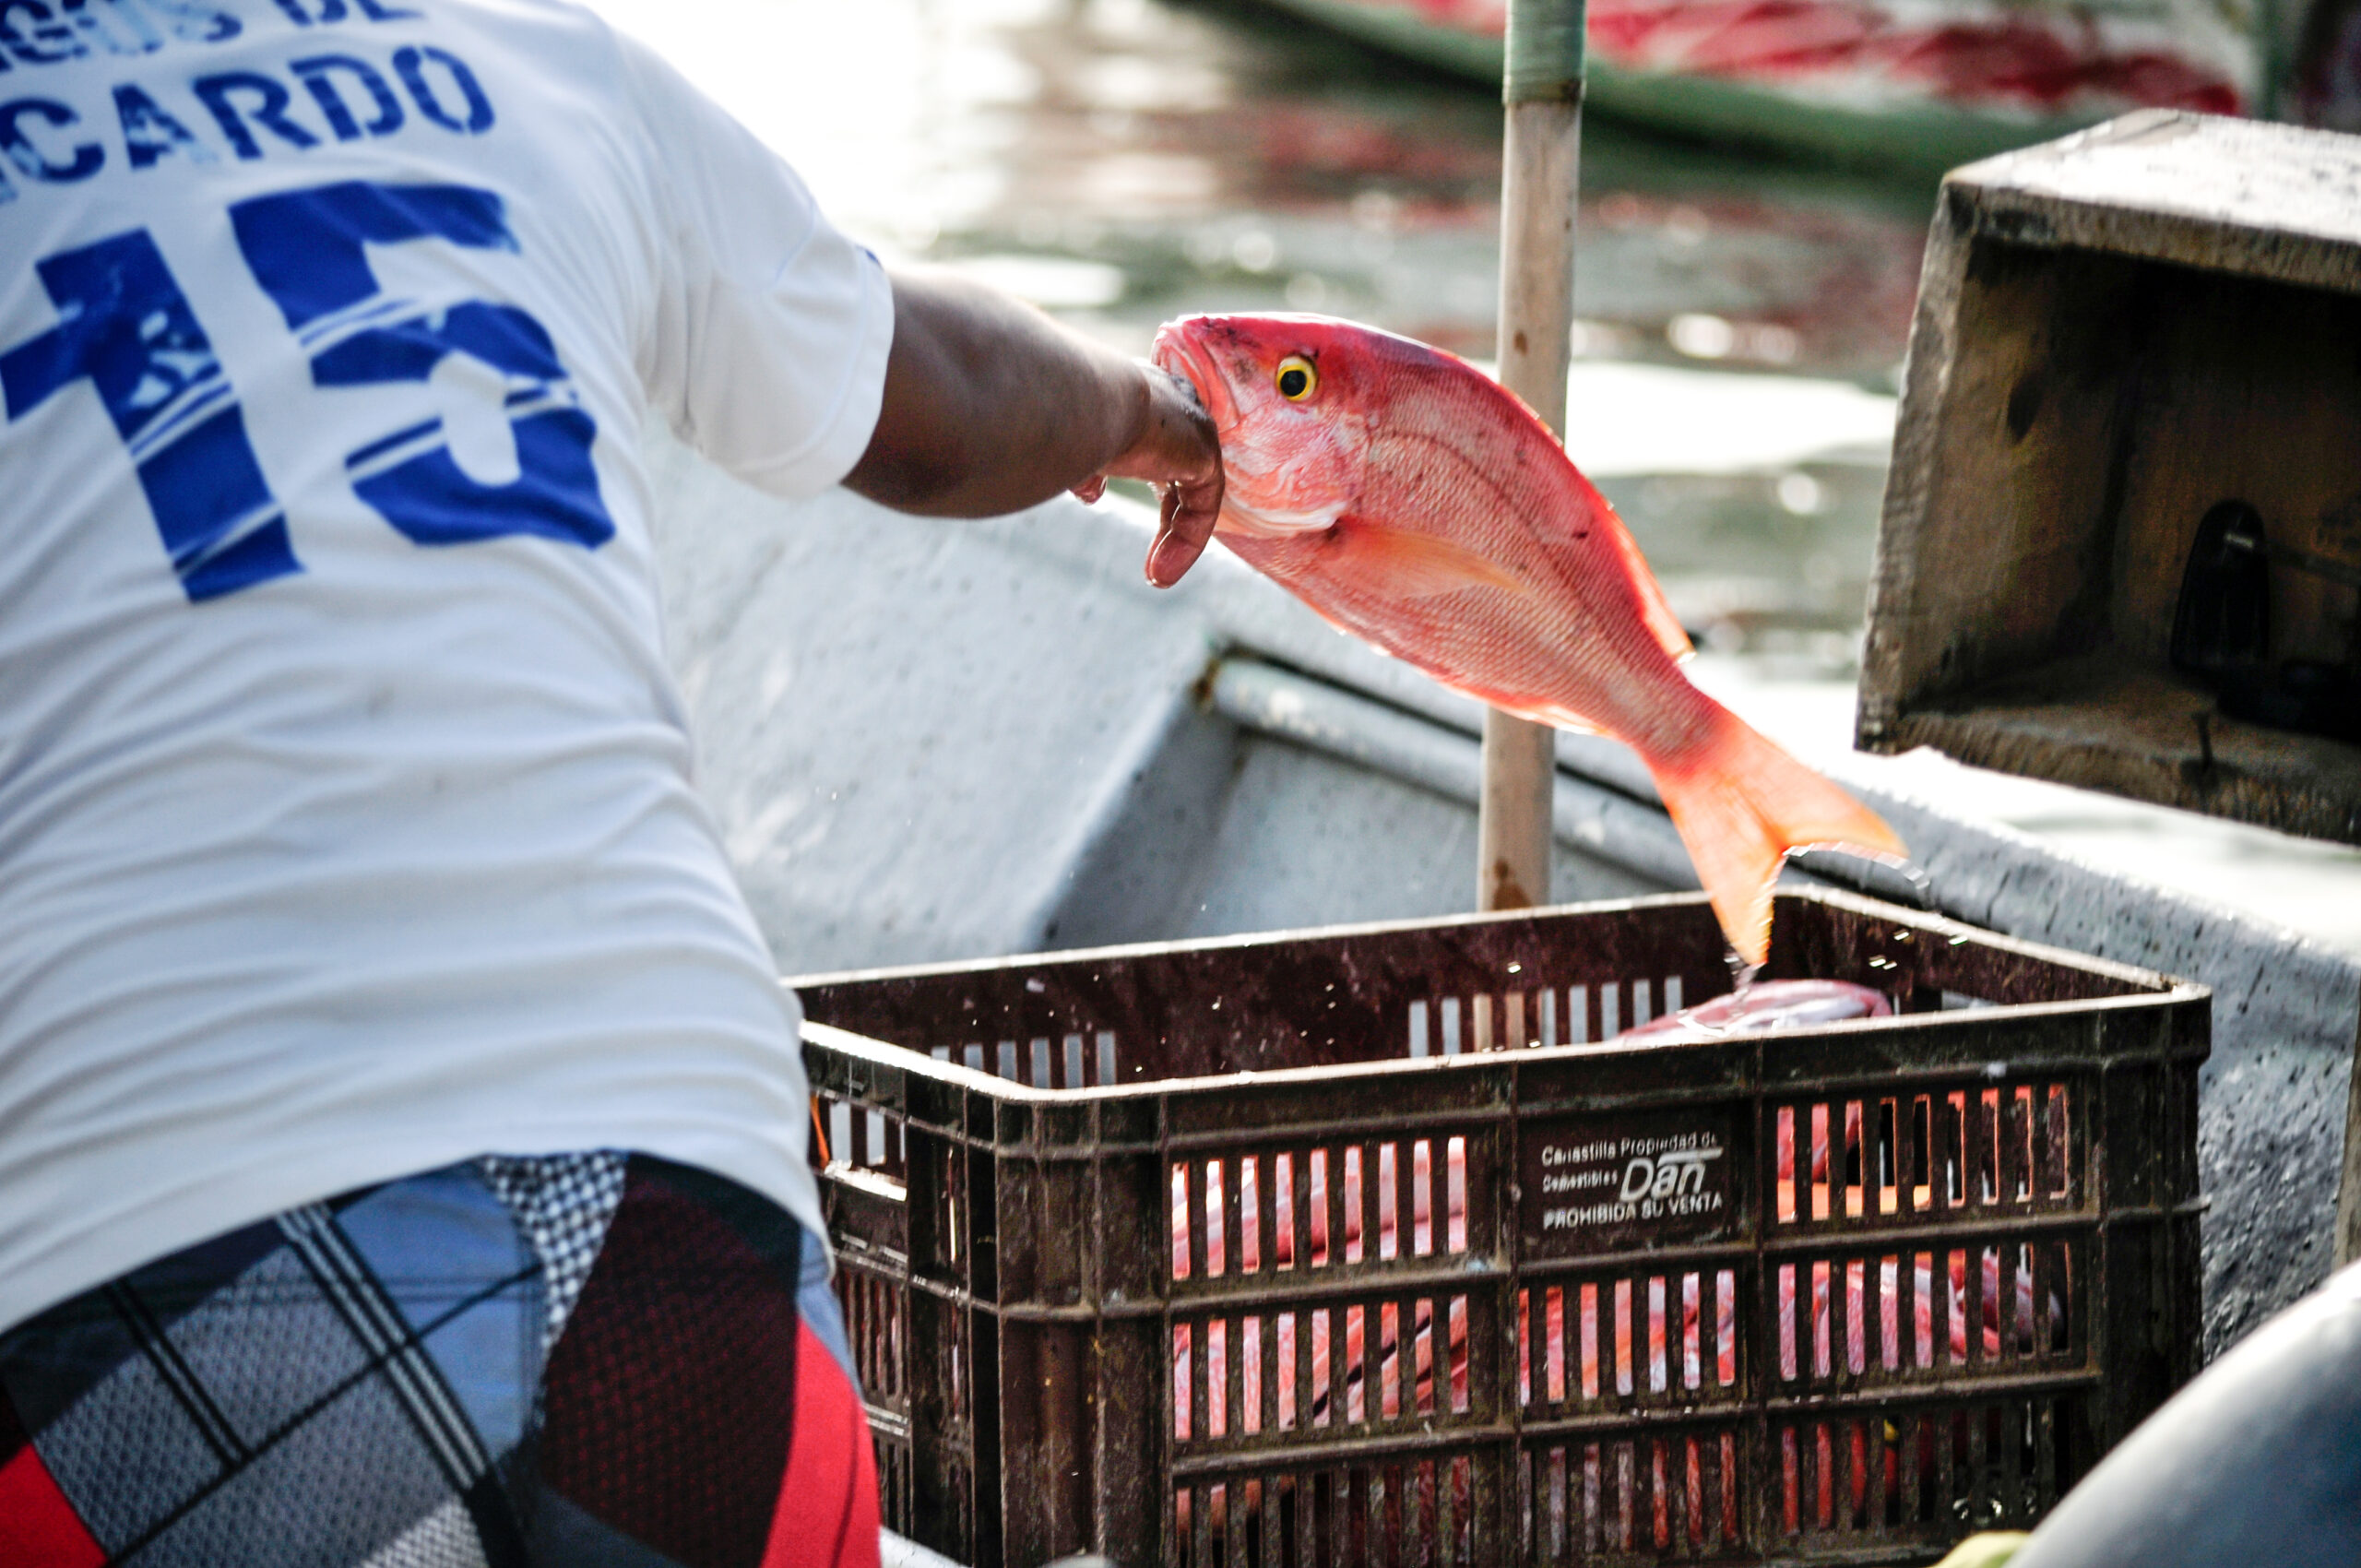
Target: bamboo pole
[
  {"x": 2348, "y": 1188},
  {"x": 1542, "y": 146}
]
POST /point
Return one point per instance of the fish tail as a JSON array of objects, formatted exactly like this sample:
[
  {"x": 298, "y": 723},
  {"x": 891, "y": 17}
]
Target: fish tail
[{"x": 1741, "y": 805}]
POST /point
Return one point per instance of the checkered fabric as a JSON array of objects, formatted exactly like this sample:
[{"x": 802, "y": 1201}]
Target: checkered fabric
[
  {"x": 597, "y": 1360},
  {"x": 563, "y": 1203}
]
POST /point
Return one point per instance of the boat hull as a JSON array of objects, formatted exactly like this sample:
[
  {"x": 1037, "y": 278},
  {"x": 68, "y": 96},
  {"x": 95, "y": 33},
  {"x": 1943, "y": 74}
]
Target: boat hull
[{"x": 1913, "y": 85}]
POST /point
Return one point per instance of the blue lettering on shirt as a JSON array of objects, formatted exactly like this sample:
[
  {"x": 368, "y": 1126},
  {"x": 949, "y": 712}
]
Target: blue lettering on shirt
[
  {"x": 149, "y": 132},
  {"x": 321, "y": 74},
  {"x": 309, "y": 251},
  {"x": 241, "y": 99},
  {"x": 24, "y": 148},
  {"x": 332, "y": 11},
  {"x": 124, "y": 326},
  {"x": 54, "y": 32},
  {"x": 255, "y": 112},
  {"x": 34, "y": 35},
  {"x": 413, "y": 64}
]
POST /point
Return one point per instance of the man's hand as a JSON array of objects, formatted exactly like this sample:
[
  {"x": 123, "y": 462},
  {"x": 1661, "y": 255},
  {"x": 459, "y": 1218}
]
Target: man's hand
[
  {"x": 992, "y": 407},
  {"x": 1178, "y": 451}
]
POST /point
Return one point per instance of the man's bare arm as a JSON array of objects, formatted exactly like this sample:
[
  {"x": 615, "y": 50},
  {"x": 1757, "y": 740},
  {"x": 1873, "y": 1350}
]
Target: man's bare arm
[{"x": 992, "y": 407}]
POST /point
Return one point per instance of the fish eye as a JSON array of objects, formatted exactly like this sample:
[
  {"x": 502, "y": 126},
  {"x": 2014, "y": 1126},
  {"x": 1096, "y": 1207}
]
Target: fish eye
[{"x": 1296, "y": 378}]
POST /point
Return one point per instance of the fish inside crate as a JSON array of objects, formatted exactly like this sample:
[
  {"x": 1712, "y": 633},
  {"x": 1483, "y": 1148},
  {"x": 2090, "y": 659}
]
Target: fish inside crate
[{"x": 1398, "y": 1243}]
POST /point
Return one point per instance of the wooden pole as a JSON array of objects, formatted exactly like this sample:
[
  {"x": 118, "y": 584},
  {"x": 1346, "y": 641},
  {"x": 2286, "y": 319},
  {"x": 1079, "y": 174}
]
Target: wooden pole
[
  {"x": 2348, "y": 1188},
  {"x": 1543, "y": 91}
]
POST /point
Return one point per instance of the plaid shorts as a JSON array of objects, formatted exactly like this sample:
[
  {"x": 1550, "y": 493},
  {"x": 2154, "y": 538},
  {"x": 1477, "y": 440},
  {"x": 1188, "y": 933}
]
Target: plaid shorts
[{"x": 600, "y": 1361}]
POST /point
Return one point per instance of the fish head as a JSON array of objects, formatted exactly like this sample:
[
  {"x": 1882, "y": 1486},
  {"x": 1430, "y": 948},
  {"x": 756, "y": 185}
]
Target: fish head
[{"x": 1290, "y": 399}]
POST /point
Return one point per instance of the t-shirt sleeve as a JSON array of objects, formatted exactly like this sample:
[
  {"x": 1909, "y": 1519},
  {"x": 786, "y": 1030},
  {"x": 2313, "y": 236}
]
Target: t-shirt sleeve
[{"x": 765, "y": 347}]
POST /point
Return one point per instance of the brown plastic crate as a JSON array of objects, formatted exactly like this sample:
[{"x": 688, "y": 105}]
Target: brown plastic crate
[{"x": 1048, "y": 1370}]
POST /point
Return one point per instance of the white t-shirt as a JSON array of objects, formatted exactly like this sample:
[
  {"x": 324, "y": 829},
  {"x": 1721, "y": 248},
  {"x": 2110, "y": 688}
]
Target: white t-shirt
[{"x": 346, "y": 826}]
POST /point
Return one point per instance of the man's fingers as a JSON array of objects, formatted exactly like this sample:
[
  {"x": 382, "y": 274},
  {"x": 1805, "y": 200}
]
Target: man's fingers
[
  {"x": 1173, "y": 553},
  {"x": 1191, "y": 509},
  {"x": 1180, "y": 452}
]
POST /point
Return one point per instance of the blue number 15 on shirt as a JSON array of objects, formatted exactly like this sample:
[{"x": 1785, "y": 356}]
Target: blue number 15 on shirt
[{"x": 125, "y": 323}]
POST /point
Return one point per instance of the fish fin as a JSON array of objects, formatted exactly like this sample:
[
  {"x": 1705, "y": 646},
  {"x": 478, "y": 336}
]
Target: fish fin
[
  {"x": 1655, "y": 612},
  {"x": 1416, "y": 565},
  {"x": 1741, "y": 807}
]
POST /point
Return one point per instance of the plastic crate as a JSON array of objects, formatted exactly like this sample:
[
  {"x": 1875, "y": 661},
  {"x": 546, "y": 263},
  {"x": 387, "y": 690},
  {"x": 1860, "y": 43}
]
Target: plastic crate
[{"x": 1344, "y": 1247}]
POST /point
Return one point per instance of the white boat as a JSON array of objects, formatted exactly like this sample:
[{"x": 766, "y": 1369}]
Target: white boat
[{"x": 1915, "y": 84}]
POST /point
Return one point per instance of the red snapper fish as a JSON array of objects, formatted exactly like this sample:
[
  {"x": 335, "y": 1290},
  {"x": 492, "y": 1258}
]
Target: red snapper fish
[
  {"x": 1765, "y": 1007},
  {"x": 1414, "y": 502}
]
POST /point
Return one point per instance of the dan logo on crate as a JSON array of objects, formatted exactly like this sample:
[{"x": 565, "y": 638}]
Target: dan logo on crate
[{"x": 1671, "y": 1183}]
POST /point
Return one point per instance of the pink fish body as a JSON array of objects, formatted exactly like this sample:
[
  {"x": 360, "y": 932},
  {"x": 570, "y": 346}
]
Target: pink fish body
[
  {"x": 1765, "y": 1007},
  {"x": 1410, "y": 500}
]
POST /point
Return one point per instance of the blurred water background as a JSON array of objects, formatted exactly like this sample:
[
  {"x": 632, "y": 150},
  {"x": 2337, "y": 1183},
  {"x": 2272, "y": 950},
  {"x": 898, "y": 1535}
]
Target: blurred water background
[
  {"x": 1122, "y": 161},
  {"x": 1743, "y": 320}
]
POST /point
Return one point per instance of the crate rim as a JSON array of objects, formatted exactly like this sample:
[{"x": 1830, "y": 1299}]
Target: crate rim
[
  {"x": 2157, "y": 991},
  {"x": 906, "y": 1059},
  {"x": 1919, "y": 920}
]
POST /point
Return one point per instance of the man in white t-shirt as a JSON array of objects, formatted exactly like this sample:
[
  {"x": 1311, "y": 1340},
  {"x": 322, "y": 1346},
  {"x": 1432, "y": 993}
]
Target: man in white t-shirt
[{"x": 402, "y": 1132}]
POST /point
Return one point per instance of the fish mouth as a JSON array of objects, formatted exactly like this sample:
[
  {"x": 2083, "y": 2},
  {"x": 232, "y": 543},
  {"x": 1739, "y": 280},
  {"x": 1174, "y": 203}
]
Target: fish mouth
[{"x": 1180, "y": 351}]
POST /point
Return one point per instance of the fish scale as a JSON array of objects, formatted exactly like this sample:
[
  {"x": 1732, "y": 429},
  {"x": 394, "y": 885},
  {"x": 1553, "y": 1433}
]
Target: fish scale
[{"x": 1412, "y": 502}]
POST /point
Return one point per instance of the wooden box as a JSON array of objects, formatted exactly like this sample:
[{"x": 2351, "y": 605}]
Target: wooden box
[{"x": 2116, "y": 333}]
